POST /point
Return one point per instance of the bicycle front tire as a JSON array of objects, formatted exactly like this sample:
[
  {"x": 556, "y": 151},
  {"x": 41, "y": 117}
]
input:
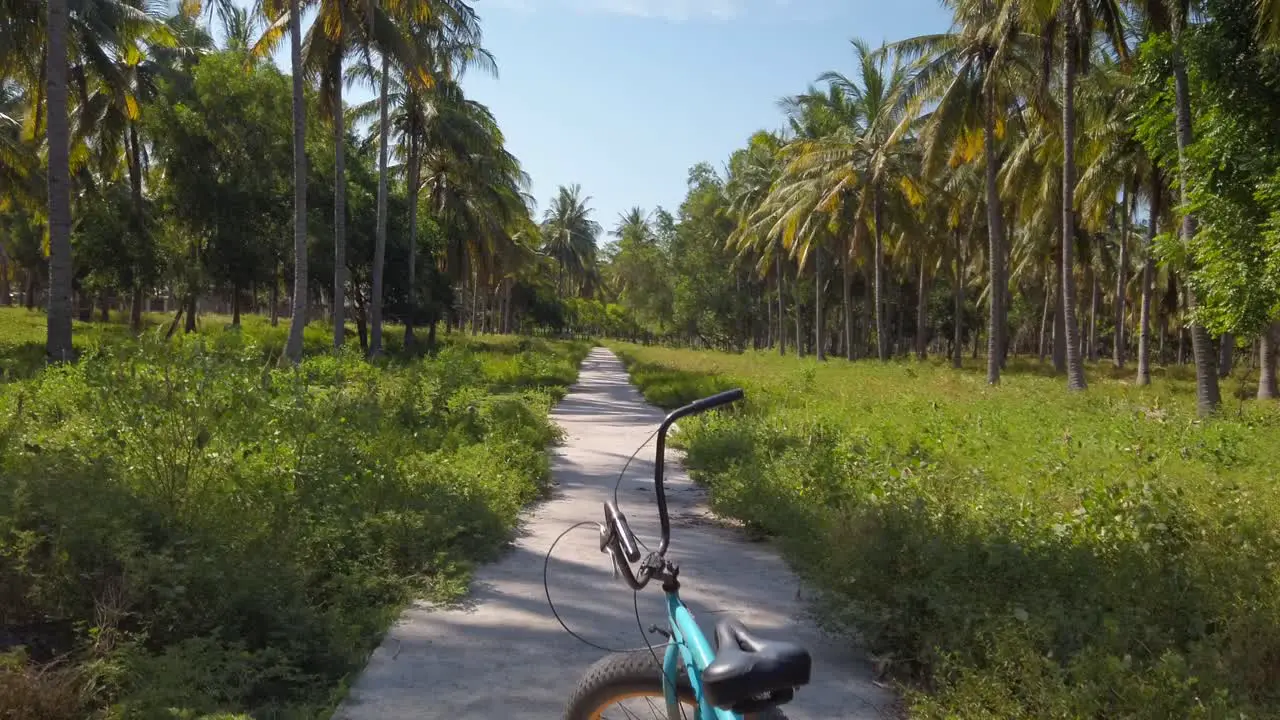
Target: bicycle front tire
[{"x": 634, "y": 678}]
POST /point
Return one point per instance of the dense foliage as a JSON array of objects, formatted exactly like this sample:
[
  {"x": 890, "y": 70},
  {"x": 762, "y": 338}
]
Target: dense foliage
[
  {"x": 1018, "y": 553},
  {"x": 197, "y": 532}
]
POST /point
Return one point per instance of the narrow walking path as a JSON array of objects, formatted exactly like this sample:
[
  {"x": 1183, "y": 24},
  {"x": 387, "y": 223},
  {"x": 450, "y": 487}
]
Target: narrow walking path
[{"x": 501, "y": 654}]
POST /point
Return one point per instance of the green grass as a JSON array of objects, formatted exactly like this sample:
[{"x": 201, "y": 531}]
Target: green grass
[
  {"x": 192, "y": 530},
  {"x": 22, "y": 336},
  {"x": 1015, "y": 551}
]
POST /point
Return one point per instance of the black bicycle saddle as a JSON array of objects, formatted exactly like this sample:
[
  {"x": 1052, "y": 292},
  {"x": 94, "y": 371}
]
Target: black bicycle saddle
[{"x": 749, "y": 673}]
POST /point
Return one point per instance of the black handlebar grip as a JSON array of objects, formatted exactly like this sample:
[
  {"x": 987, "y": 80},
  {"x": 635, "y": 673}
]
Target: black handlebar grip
[
  {"x": 724, "y": 398},
  {"x": 630, "y": 547}
]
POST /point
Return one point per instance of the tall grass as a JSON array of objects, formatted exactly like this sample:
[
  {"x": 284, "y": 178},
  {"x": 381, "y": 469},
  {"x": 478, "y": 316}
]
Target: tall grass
[
  {"x": 187, "y": 529},
  {"x": 1015, "y": 551}
]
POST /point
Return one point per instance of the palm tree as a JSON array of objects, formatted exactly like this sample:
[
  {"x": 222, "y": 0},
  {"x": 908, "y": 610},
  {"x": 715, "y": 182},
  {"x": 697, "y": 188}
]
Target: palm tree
[
  {"x": 58, "y": 339},
  {"x": 293, "y": 348},
  {"x": 1154, "y": 197},
  {"x": 437, "y": 34},
  {"x": 634, "y": 223},
  {"x": 845, "y": 170},
  {"x": 963, "y": 197},
  {"x": 1161, "y": 17},
  {"x": 570, "y": 235},
  {"x": 287, "y": 16},
  {"x": 433, "y": 122},
  {"x": 478, "y": 193},
  {"x": 1116, "y": 164},
  {"x": 92, "y": 30},
  {"x": 752, "y": 174},
  {"x": 1079, "y": 20},
  {"x": 974, "y": 73},
  {"x": 879, "y": 94}
]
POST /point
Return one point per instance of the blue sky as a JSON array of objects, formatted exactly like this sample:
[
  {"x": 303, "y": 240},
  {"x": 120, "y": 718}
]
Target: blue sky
[{"x": 624, "y": 96}]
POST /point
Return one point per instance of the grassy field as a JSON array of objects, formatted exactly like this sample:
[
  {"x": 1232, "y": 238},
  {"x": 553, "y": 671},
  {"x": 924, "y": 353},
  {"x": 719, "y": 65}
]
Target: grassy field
[
  {"x": 1013, "y": 551},
  {"x": 188, "y": 530},
  {"x": 22, "y": 336}
]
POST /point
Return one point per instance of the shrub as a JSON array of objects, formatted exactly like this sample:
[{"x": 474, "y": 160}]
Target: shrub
[
  {"x": 1010, "y": 552},
  {"x": 233, "y": 537}
]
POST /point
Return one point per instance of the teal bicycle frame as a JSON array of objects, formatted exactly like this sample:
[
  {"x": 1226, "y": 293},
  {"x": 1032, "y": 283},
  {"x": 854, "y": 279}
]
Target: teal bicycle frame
[{"x": 688, "y": 642}]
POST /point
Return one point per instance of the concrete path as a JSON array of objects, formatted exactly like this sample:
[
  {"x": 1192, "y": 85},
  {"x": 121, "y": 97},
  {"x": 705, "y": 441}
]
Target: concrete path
[{"x": 502, "y": 655}]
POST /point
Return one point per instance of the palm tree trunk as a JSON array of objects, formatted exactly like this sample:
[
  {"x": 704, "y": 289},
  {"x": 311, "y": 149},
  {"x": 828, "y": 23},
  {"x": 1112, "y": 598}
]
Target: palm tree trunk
[
  {"x": 339, "y": 210},
  {"x": 275, "y": 297},
  {"x": 1226, "y": 354},
  {"x": 782, "y": 304},
  {"x": 1093, "y": 315},
  {"x": 413, "y": 241},
  {"x": 506, "y": 309},
  {"x": 819, "y": 347},
  {"x": 1044, "y": 316},
  {"x": 882, "y": 340},
  {"x": 768, "y": 326},
  {"x": 362, "y": 326},
  {"x": 139, "y": 219},
  {"x": 135, "y": 310},
  {"x": 1208, "y": 396},
  {"x": 380, "y": 240},
  {"x": 847, "y": 291},
  {"x": 192, "y": 306},
  {"x": 1075, "y": 367},
  {"x": 795, "y": 292},
  {"x": 922, "y": 309},
  {"x": 475, "y": 302},
  {"x": 5, "y": 290},
  {"x": 58, "y": 328},
  {"x": 1119, "y": 343},
  {"x": 995, "y": 234},
  {"x": 1148, "y": 280},
  {"x": 293, "y": 349},
  {"x": 1268, "y": 347},
  {"x": 1059, "y": 319},
  {"x": 958, "y": 291}
]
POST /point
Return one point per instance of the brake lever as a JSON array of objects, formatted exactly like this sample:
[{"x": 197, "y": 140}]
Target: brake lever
[{"x": 613, "y": 559}]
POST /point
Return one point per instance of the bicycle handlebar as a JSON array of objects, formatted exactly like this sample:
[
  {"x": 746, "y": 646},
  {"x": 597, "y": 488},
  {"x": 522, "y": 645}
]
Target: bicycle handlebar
[
  {"x": 693, "y": 408},
  {"x": 618, "y": 532}
]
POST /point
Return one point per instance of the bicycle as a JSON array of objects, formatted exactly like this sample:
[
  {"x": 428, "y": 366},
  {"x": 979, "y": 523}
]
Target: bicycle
[{"x": 746, "y": 677}]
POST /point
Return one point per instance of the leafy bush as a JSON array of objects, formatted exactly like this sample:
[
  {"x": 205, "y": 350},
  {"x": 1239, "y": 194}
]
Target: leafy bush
[
  {"x": 205, "y": 533},
  {"x": 1014, "y": 551}
]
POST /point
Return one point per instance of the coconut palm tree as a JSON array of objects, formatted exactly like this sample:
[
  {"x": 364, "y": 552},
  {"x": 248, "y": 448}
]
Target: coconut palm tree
[
  {"x": 1116, "y": 164},
  {"x": 1164, "y": 18},
  {"x": 752, "y": 174},
  {"x": 479, "y": 195},
  {"x": 570, "y": 235},
  {"x": 437, "y": 35},
  {"x": 634, "y": 223},
  {"x": 974, "y": 74},
  {"x": 1080, "y": 21},
  {"x": 435, "y": 121},
  {"x": 287, "y": 17},
  {"x": 845, "y": 167},
  {"x": 58, "y": 338},
  {"x": 91, "y": 31},
  {"x": 887, "y": 151}
]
